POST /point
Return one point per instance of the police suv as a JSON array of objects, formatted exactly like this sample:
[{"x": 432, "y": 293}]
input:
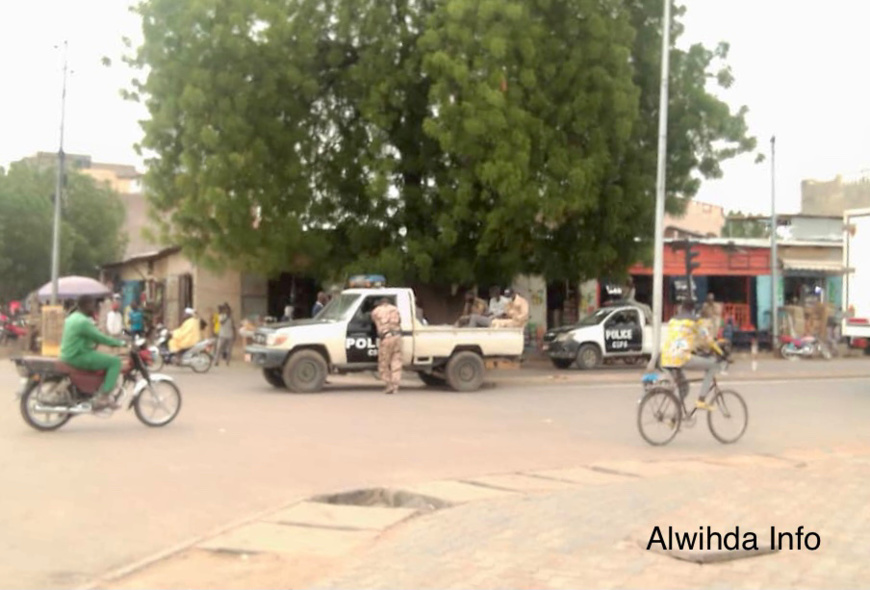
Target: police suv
[
  {"x": 619, "y": 330},
  {"x": 299, "y": 355}
]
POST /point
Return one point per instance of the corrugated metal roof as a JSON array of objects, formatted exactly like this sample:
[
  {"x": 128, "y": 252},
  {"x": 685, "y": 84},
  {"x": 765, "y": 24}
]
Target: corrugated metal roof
[
  {"x": 759, "y": 242},
  {"x": 819, "y": 266},
  {"x": 153, "y": 255}
]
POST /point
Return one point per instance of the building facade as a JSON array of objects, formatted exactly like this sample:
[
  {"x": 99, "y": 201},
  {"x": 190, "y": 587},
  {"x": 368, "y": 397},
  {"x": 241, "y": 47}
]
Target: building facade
[
  {"x": 832, "y": 197},
  {"x": 699, "y": 220}
]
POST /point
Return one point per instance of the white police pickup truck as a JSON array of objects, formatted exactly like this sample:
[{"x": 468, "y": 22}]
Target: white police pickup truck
[
  {"x": 617, "y": 331},
  {"x": 299, "y": 355}
]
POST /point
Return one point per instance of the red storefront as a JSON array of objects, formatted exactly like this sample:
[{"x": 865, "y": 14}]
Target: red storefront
[{"x": 727, "y": 268}]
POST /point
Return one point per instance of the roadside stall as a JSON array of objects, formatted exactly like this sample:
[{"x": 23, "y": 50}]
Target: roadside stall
[{"x": 69, "y": 289}]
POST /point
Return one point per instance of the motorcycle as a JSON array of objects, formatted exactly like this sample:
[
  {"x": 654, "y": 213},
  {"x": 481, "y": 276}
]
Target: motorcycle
[
  {"x": 198, "y": 357},
  {"x": 11, "y": 329},
  {"x": 52, "y": 392},
  {"x": 805, "y": 347}
]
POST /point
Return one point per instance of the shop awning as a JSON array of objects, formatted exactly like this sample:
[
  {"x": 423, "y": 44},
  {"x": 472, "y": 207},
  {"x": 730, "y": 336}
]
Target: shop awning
[{"x": 816, "y": 267}]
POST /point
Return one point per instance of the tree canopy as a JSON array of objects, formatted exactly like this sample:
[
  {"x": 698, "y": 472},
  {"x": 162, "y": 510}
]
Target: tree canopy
[
  {"x": 430, "y": 140},
  {"x": 92, "y": 218},
  {"x": 740, "y": 225}
]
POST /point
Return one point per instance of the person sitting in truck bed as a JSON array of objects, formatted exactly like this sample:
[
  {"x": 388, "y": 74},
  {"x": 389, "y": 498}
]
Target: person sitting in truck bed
[
  {"x": 474, "y": 306},
  {"x": 516, "y": 314}
]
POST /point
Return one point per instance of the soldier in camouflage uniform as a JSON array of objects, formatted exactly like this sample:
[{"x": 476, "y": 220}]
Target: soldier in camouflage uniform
[{"x": 389, "y": 327}]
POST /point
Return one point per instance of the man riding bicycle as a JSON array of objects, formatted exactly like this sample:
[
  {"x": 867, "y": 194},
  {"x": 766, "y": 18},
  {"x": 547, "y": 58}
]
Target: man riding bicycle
[{"x": 688, "y": 344}]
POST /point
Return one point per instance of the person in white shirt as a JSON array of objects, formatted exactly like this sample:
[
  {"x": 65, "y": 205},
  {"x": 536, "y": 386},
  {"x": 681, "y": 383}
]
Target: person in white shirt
[
  {"x": 497, "y": 302},
  {"x": 115, "y": 321}
]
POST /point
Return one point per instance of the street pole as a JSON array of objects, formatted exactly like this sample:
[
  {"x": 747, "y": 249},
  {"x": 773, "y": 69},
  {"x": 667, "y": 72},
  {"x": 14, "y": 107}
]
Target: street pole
[
  {"x": 774, "y": 266},
  {"x": 658, "y": 265},
  {"x": 58, "y": 192}
]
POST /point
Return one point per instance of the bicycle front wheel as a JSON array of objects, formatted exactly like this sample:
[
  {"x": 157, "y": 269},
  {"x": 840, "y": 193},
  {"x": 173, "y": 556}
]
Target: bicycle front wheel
[
  {"x": 658, "y": 416},
  {"x": 729, "y": 417}
]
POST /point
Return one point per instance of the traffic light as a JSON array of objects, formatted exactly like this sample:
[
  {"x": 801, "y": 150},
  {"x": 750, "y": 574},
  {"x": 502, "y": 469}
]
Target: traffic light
[{"x": 691, "y": 255}]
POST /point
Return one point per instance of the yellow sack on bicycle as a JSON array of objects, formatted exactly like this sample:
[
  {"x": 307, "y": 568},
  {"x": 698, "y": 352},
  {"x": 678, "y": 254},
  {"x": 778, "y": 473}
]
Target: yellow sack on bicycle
[{"x": 679, "y": 343}]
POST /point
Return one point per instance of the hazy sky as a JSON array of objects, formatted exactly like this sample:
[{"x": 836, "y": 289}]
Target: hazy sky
[{"x": 797, "y": 64}]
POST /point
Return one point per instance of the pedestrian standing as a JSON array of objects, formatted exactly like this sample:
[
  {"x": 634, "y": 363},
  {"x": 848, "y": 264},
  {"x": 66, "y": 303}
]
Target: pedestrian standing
[
  {"x": 388, "y": 323},
  {"x": 226, "y": 335},
  {"x": 322, "y": 299},
  {"x": 136, "y": 319},
  {"x": 115, "y": 321}
]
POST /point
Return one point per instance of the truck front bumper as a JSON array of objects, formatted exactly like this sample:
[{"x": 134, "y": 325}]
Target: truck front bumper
[
  {"x": 565, "y": 349},
  {"x": 267, "y": 358}
]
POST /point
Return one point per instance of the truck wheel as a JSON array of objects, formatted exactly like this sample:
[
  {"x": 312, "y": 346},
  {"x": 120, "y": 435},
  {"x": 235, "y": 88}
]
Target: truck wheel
[
  {"x": 562, "y": 363},
  {"x": 305, "y": 371},
  {"x": 274, "y": 378},
  {"x": 431, "y": 380},
  {"x": 588, "y": 357},
  {"x": 465, "y": 371}
]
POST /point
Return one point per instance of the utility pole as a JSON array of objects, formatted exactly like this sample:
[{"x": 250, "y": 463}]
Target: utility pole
[
  {"x": 58, "y": 192},
  {"x": 774, "y": 264},
  {"x": 658, "y": 265}
]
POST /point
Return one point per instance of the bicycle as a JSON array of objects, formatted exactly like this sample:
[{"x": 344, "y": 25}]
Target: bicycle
[{"x": 665, "y": 398}]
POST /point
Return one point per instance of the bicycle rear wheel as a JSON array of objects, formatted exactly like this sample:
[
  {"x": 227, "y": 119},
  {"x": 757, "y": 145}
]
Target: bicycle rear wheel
[
  {"x": 658, "y": 416},
  {"x": 729, "y": 417}
]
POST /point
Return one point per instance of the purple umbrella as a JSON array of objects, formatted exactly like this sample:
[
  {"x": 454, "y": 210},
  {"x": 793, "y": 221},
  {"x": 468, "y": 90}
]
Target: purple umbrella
[{"x": 74, "y": 287}]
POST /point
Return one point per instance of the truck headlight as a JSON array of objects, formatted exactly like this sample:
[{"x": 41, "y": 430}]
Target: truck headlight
[{"x": 277, "y": 339}]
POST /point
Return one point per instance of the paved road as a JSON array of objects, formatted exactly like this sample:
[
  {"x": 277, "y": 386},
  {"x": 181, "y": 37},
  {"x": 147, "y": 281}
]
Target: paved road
[
  {"x": 99, "y": 494},
  {"x": 596, "y": 535}
]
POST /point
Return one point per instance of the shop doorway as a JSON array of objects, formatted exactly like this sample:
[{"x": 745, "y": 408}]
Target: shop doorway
[{"x": 299, "y": 291}]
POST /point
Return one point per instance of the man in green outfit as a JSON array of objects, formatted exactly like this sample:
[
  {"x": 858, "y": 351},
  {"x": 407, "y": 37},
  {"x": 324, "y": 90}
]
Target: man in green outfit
[{"x": 77, "y": 349}]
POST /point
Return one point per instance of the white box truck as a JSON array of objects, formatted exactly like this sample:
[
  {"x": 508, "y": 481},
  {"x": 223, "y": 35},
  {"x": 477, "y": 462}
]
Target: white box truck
[{"x": 856, "y": 280}]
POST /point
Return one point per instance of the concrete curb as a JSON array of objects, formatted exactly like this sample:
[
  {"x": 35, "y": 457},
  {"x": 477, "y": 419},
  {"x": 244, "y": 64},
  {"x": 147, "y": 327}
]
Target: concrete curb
[
  {"x": 124, "y": 571},
  {"x": 634, "y": 379}
]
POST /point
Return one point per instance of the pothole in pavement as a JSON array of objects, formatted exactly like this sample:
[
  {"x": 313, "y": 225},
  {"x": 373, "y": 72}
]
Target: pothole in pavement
[
  {"x": 385, "y": 498},
  {"x": 709, "y": 556}
]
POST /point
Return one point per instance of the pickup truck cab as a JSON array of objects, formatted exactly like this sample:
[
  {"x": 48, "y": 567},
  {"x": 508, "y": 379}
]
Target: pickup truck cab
[
  {"x": 299, "y": 355},
  {"x": 619, "y": 330}
]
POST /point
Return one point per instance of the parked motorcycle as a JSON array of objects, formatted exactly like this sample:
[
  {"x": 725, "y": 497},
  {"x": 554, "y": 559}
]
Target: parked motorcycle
[
  {"x": 806, "y": 347},
  {"x": 11, "y": 329},
  {"x": 52, "y": 392},
  {"x": 198, "y": 357}
]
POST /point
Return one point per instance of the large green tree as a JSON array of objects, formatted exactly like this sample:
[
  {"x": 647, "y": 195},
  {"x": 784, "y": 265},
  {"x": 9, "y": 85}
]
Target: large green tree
[
  {"x": 92, "y": 219},
  {"x": 740, "y": 225},
  {"x": 448, "y": 140}
]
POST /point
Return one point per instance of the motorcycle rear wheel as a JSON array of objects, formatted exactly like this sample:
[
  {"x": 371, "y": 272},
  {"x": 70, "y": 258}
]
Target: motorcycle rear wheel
[
  {"x": 160, "y": 394},
  {"x": 157, "y": 361},
  {"x": 41, "y": 421},
  {"x": 201, "y": 362}
]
